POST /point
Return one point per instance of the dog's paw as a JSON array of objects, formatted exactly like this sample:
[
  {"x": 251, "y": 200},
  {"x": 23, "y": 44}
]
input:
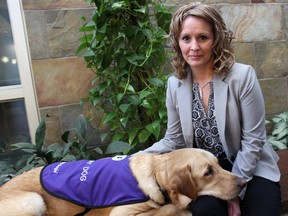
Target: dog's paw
[
  {"x": 152, "y": 190},
  {"x": 157, "y": 197}
]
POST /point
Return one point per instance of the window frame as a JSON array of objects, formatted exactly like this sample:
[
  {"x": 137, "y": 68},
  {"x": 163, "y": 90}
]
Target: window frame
[{"x": 25, "y": 90}]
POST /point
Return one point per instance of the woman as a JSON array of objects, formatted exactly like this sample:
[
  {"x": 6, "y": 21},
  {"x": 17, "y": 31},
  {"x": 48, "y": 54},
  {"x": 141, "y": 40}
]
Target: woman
[{"x": 216, "y": 104}]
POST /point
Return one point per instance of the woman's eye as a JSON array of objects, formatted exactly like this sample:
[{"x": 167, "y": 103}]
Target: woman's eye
[
  {"x": 185, "y": 38},
  {"x": 203, "y": 37}
]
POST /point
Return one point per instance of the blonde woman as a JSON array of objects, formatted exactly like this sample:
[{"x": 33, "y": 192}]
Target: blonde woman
[{"x": 216, "y": 104}]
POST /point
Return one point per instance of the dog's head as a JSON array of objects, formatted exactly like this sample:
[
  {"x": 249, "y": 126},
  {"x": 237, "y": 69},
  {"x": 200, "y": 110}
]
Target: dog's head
[{"x": 195, "y": 172}]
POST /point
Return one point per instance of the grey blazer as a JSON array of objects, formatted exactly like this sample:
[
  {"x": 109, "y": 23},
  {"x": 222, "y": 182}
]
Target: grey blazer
[{"x": 240, "y": 117}]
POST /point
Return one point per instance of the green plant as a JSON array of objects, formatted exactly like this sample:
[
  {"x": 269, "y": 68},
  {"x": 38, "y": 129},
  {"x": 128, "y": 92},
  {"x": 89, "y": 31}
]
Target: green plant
[
  {"x": 39, "y": 154},
  {"x": 124, "y": 44},
  {"x": 279, "y": 136},
  {"x": 75, "y": 146}
]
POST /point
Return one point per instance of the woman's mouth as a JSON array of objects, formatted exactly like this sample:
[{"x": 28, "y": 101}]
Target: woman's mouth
[{"x": 195, "y": 56}]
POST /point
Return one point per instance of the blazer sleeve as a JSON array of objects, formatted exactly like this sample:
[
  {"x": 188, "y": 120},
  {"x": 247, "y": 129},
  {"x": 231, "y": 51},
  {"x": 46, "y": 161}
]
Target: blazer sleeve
[
  {"x": 173, "y": 138},
  {"x": 253, "y": 131}
]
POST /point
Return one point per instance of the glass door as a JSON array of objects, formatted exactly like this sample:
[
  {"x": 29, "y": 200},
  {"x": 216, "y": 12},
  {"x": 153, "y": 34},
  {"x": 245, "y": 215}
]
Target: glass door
[{"x": 19, "y": 115}]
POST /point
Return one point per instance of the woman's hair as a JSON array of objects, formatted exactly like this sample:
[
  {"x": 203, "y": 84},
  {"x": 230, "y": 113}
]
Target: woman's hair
[{"x": 222, "y": 49}]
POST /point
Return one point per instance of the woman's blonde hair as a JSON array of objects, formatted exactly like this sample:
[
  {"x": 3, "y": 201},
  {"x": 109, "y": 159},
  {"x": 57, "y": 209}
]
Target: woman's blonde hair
[{"x": 222, "y": 49}]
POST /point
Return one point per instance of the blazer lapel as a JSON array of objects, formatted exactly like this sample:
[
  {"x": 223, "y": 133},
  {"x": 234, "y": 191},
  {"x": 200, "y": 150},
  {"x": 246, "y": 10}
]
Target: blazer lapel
[
  {"x": 184, "y": 95},
  {"x": 220, "y": 100}
]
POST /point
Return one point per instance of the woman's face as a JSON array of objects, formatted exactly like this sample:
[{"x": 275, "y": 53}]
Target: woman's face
[{"x": 196, "y": 41}]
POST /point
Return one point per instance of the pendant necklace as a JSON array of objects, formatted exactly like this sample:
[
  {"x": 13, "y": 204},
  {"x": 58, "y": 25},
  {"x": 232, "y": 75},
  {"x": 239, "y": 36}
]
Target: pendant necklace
[{"x": 201, "y": 88}]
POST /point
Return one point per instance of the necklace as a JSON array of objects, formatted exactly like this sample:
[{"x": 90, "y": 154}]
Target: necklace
[{"x": 201, "y": 88}]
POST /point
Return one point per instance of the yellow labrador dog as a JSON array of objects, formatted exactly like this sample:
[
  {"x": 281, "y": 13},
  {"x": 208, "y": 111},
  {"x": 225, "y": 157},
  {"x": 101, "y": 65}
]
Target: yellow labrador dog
[{"x": 181, "y": 176}]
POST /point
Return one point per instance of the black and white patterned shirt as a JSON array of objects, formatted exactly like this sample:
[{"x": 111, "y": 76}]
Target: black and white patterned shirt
[{"x": 206, "y": 134}]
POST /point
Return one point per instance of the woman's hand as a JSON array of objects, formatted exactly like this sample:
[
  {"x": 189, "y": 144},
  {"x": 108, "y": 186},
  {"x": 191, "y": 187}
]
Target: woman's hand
[{"x": 234, "y": 207}]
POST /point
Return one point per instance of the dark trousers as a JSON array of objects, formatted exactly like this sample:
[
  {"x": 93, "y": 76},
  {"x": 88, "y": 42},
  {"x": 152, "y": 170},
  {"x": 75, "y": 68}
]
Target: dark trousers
[{"x": 262, "y": 198}]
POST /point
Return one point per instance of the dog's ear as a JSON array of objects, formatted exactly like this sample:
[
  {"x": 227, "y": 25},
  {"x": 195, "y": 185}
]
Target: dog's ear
[{"x": 183, "y": 183}]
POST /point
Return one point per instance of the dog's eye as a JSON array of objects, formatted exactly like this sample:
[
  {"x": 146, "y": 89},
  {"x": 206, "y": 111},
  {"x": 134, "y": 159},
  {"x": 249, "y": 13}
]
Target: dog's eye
[{"x": 209, "y": 172}]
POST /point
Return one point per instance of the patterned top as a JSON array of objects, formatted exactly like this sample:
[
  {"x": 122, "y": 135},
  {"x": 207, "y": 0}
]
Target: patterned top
[{"x": 206, "y": 134}]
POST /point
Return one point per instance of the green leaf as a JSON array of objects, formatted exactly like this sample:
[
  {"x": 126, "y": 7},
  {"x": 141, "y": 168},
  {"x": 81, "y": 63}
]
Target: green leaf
[
  {"x": 283, "y": 134},
  {"x": 280, "y": 126},
  {"x": 155, "y": 81},
  {"x": 119, "y": 97},
  {"x": 145, "y": 103},
  {"x": 117, "y": 147},
  {"x": 31, "y": 159},
  {"x": 141, "y": 10},
  {"x": 277, "y": 144},
  {"x": 83, "y": 46},
  {"x": 124, "y": 107},
  {"x": 65, "y": 136},
  {"x": 118, "y": 5},
  {"x": 67, "y": 147},
  {"x": 69, "y": 158},
  {"x": 89, "y": 53},
  {"x": 118, "y": 136},
  {"x": 101, "y": 88},
  {"x": 56, "y": 149},
  {"x": 95, "y": 101},
  {"x": 23, "y": 145},
  {"x": 144, "y": 135},
  {"x": 109, "y": 117},
  {"x": 102, "y": 29},
  {"x": 30, "y": 151},
  {"x": 144, "y": 94},
  {"x": 86, "y": 29},
  {"x": 148, "y": 33},
  {"x": 162, "y": 113},
  {"x": 274, "y": 142},
  {"x": 81, "y": 125},
  {"x": 40, "y": 135},
  {"x": 98, "y": 150},
  {"x": 154, "y": 128},
  {"x": 124, "y": 121},
  {"x": 133, "y": 58},
  {"x": 83, "y": 18},
  {"x": 89, "y": 1},
  {"x": 23, "y": 159},
  {"x": 103, "y": 136},
  {"x": 134, "y": 99},
  {"x": 91, "y": 23},
  {"x": 130, "y": 88},
  {"x": 132, "y": 134}
]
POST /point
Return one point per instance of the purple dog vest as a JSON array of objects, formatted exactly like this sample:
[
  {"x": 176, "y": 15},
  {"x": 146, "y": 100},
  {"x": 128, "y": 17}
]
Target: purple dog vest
[{"x": 93, "y": 184}]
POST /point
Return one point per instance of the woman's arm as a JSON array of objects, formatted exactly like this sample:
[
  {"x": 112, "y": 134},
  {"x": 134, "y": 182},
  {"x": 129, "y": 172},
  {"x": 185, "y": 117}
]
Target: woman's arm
[{"x": 253, "y": 131}]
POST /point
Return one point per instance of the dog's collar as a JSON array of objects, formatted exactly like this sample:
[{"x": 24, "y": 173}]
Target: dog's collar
[{"x": 164, "y": 193}]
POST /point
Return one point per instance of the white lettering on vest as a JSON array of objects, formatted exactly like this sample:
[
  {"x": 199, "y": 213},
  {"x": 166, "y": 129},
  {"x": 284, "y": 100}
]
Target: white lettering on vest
[
  {"x": 56, "y": 169},
  {"x": 84, "y": 174}
]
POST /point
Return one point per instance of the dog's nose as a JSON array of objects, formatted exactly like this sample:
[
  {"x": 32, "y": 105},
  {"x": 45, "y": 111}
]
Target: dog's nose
[{"x": 241, "y": 183}]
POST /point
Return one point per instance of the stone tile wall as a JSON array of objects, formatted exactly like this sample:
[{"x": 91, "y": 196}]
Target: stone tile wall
[{"x": 61, "y": 78}]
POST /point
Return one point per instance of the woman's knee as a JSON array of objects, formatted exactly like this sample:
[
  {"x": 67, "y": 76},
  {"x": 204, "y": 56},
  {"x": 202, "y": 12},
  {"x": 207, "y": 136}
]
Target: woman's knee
[
  {"x": 208, "y": 206},
  {"x": 263, "y": 197}
]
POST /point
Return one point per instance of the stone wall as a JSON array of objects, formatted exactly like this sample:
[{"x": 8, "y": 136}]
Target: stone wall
[{"x": 61, "y": 77}]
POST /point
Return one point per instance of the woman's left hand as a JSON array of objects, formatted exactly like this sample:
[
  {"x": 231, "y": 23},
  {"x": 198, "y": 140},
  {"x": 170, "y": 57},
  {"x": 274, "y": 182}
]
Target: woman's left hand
[{"x": 234, "y": 207}]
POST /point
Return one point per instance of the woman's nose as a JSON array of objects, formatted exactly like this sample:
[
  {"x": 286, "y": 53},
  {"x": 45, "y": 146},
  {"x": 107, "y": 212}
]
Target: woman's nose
[{"x": 194, "y": 45}]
